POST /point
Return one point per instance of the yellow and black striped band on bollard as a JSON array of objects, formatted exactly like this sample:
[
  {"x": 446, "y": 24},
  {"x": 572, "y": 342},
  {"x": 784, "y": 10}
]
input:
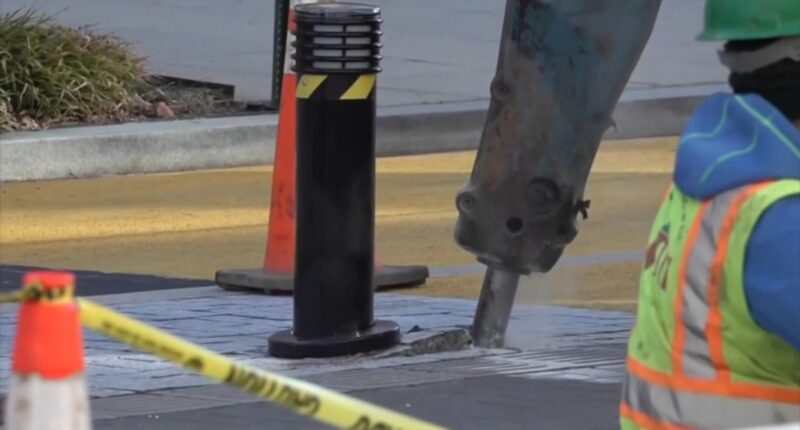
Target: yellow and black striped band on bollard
[{"x": 336, "y": 87}]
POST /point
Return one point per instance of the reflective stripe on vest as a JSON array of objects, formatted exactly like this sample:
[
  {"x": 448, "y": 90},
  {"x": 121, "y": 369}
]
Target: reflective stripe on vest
[
  {"x": 666, "y": 406},
  {"x": 691, "y": 350},
  {"x": 699, "y": 387},
  {"x": 697, "y": 347}
]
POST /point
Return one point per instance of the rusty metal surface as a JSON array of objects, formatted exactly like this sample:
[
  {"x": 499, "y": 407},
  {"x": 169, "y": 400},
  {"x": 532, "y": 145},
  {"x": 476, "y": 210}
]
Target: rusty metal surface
[
  {"x": 561, "y": 70},
  {"x": 494, "y": 308}
]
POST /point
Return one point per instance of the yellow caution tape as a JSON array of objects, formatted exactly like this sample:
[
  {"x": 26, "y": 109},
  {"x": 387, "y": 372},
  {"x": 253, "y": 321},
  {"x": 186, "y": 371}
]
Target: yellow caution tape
[
  {"x": 21, "y": 295},
  {"x": 309, "y": 400},
  {"x": 306, "y": 399},
  {"x": 38, "y": 294},
  {"x": 16, "y": 296}
]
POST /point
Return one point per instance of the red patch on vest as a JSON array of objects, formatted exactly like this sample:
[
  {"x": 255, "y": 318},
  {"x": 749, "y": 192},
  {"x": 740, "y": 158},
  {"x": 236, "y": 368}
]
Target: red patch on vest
[{"x": 658, "y": 256}]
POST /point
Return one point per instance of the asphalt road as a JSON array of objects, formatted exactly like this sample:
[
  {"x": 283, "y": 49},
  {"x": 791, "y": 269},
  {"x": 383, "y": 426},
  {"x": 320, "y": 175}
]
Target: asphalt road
[
  {"x": 426, "y": 43},
  {"x": 94, "y": 283},
  {"x": 497, "y": 402}
]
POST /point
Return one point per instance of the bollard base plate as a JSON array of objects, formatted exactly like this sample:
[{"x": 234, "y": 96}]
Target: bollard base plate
[
  {"x": 385, "y": 278},
  {"x": 382, "y": 335}
]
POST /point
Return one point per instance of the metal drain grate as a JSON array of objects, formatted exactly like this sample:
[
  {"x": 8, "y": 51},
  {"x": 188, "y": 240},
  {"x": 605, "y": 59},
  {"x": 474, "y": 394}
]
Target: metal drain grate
[
  {"x": 564, "y": 362},
  {"x": 589, "y": 355},
  {"x": 593, "y": 363},
  {"x": 485, "y": 366},
  {"x": 365, "y": 379}
]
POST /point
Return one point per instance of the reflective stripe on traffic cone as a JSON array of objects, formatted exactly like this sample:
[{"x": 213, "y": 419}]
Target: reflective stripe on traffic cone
[{"x": 47, "y": 390}]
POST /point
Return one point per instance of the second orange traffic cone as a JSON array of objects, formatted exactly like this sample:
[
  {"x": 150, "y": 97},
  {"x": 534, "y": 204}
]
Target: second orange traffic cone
[{"x": 279, "y": 256}]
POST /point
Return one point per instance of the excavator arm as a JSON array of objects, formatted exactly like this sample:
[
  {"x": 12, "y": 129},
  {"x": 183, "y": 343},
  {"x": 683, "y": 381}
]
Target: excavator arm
[{"x": 562, "y": 67}]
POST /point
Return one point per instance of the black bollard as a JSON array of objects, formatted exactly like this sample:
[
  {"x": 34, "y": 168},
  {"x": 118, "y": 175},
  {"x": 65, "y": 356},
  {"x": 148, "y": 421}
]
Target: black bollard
[{"x": 337, "y": 58}]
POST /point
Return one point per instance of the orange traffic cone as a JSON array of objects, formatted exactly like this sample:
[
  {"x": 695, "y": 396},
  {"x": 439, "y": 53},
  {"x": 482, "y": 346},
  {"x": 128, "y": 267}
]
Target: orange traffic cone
[
  {"x": 277, "y": 271},
  {"x": 279, "y": 257},
  {"x": 47, "y": 390}
]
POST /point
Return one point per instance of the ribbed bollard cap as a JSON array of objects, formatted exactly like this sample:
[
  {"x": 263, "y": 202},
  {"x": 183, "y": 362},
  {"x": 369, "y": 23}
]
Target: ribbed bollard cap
[{"x": 336, "y": 38}]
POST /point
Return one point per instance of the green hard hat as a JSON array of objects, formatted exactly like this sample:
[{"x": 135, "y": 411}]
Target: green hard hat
[{"x": 751, "y": 19}]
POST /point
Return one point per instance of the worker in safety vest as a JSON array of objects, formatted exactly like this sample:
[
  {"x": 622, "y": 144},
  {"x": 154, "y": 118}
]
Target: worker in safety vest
[{"x": 717, "y": 340}]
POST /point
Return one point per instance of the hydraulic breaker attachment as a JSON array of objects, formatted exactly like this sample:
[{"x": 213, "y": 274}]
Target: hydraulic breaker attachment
[{"x": 561, "y": 70}]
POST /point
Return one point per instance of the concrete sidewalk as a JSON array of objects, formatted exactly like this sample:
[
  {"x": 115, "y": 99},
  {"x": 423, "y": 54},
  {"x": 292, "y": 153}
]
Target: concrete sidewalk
[{"x": 550, "y": 348}]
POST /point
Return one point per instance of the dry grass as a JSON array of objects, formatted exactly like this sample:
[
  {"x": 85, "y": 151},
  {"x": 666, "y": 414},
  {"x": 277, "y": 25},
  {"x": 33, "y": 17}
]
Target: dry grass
[
  {"x": 7, "y": 121},
  {"x": 51, "y": 74}
]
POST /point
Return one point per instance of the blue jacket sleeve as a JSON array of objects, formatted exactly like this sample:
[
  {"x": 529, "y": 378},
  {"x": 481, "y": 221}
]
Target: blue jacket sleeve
[{"x": 772, "y": 271}]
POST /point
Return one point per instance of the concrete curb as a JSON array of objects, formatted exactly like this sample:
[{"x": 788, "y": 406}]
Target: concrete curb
[
  {"x": 171, "y": 146},
  {"x": 137, "y": 148}
]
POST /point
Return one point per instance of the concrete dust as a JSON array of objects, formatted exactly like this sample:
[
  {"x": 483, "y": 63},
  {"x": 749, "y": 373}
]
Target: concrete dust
[
  {"x": 541, "y": 289},
  {"x": 606, "y": 286},
  {"x": 587, "y": 286},
  {"x": 461, "y": 287}
]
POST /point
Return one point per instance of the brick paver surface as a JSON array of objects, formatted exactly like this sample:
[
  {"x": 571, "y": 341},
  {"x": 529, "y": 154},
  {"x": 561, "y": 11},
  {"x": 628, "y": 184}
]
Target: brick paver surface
[{"x": 238, "y": 325}]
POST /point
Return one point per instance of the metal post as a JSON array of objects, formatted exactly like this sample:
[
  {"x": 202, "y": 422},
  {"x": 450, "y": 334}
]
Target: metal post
[
  {"x": 337, "y": 56},
  {"x": 494, "y": 308},
  {"x": 280, "y": 26}
]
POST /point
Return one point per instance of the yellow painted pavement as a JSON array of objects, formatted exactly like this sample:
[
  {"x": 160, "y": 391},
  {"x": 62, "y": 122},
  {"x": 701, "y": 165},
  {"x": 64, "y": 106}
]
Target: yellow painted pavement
[{"x": 191, "y": 224}]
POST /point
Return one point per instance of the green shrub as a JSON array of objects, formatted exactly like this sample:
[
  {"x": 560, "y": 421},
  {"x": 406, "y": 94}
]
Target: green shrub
[{"x": 53, "y": 74}]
